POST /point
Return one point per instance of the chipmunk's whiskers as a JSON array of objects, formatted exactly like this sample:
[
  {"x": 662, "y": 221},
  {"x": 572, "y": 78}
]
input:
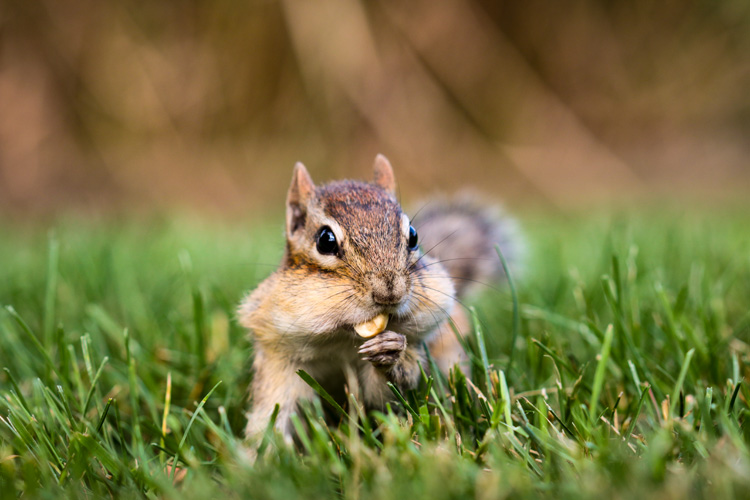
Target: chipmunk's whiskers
[
  {"x": 413, "y": 266},
  {"x": 413, "y": 218},
  {"x": 430, "y": 305},
  {"x": 315, "y": 305},
  {"x": 453, "y": 259},
  {"x": 494, "y": 288},
  {"x": 452, "y": 297}
]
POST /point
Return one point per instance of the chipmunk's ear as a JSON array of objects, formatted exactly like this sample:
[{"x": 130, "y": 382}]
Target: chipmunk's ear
[
  {"x": 383, "y": 174},
  {"x": 300, "y": 192}
]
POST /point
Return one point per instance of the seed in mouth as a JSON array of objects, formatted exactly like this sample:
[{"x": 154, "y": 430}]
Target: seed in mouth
[{"x": 373, "y": 327}]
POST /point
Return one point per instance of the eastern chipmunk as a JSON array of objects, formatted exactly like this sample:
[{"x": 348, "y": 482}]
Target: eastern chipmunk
[{"x": 355, "y": 296}]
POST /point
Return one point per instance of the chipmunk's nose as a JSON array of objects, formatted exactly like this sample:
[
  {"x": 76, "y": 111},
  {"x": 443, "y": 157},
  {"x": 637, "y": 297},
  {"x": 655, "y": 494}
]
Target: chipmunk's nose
[{"x": 388, "y": 288}]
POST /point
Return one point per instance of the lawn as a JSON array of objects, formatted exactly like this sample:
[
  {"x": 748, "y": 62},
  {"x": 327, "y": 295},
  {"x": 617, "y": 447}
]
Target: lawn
[{"x": 126, "y": 374}]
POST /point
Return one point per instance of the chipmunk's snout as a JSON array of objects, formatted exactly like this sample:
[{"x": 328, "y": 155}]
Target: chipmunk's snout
[{"x": 388, "y": 287}]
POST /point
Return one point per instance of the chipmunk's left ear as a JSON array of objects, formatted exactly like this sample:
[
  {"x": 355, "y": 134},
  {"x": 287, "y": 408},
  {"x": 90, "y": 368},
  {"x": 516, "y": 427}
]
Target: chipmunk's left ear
[
  {"x": 300, "y": 192},
  {"x": 383, "y": 174}
]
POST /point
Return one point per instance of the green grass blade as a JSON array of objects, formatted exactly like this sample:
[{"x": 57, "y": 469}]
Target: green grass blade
[
  {"x": 680, "y": 381},
  {"x": 479, "y": 334},
  {"x": 103, "y": 416},
  {"x": 51, "y": 290},
  {"x": 601, "y": 371},
  {"x": 195, "y": 414},
  {"x": 505, "y": 395},
  {"x": 516, "y": 310},
  {"x": 93, "y": 384},
  {"x": 320, "y": 391},
  {"x": 30, "y": 335},
  {"x": 137, "y": 437},
  {"x": 17, "y": 390}
]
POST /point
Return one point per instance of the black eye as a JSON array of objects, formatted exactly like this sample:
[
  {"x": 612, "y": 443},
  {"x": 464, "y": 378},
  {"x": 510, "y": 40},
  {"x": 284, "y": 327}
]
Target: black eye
[
  {"x": 413, "y": 238},
  {"x": 326, "y": 241}
]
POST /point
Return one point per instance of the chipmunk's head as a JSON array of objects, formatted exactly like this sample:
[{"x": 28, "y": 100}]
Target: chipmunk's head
[{"x": 356, "y": 236}]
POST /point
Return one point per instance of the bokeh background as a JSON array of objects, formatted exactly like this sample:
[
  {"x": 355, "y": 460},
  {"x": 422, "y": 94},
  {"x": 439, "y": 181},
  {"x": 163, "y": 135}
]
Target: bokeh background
[{"x": 206, "y": 105}]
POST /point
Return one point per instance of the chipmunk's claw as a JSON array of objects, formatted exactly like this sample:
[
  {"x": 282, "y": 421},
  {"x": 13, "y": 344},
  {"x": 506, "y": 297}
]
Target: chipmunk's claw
[{"x": 383, "y": 350}]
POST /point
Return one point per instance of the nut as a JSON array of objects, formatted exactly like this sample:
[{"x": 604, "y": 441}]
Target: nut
[{"x": 373, "y": 327}]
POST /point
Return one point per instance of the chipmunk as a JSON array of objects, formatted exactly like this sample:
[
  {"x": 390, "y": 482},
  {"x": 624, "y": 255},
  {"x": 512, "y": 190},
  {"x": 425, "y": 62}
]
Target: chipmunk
[{"x": 354, "y": 294}]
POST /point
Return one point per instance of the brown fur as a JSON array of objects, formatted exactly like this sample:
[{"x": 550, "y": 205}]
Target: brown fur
[
  {"x": 462, "y": 235},
  {"x": 302, "y": 316}
]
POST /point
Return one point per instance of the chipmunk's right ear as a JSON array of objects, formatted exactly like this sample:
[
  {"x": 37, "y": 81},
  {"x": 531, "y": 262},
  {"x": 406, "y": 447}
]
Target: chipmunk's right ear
[
  {"x": 300, "y": 192},
  {"x": 383, "y": 174}
]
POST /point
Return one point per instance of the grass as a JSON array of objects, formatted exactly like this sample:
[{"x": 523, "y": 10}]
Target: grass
[{"x": 125, "y": 373}]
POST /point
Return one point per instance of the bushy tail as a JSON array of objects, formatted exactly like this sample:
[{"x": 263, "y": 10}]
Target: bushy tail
[{"x": 462, "y": 235}]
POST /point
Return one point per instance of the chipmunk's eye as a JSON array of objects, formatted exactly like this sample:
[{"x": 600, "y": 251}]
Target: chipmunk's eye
[
  {"x": 326, "y": 241},
  {"x": 413, "y": 238}
]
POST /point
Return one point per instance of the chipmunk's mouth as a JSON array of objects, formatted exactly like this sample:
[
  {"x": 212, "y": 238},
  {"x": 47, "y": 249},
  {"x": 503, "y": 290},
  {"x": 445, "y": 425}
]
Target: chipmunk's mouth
[{"x": 372, "y": 327}]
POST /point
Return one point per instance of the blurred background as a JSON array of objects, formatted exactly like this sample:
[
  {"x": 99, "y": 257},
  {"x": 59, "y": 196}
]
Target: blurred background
[{"x": 206, "y": 105}]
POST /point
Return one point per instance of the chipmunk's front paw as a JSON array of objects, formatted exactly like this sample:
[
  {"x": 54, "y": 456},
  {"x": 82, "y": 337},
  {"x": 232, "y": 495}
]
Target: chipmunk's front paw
[{"x": 384, "y": 350}]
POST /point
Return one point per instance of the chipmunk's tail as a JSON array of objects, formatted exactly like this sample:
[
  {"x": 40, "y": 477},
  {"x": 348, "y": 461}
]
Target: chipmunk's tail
[{"x": 462, "y": 235}]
